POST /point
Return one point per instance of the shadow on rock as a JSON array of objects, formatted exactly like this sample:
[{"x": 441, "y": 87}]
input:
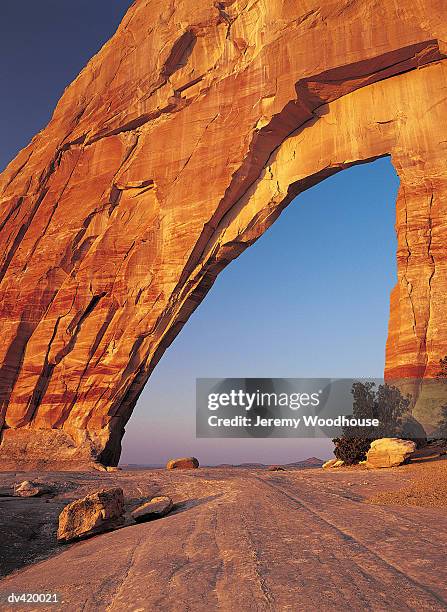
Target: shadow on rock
[{"x": 192, "y": 503}]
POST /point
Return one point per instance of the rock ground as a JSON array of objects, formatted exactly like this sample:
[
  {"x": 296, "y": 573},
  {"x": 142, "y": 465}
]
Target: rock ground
[{"x": 242, "y": 539}]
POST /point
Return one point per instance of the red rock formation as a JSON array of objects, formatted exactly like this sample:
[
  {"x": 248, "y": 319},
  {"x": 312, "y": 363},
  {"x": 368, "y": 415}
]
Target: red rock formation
[{"x": 175, "y": 149}]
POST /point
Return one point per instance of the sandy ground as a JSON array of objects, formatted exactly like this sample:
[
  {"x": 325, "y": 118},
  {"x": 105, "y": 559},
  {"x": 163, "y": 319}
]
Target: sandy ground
[
  {"x": 238, "y": 540},
  {"x": 426, "y": 487}
]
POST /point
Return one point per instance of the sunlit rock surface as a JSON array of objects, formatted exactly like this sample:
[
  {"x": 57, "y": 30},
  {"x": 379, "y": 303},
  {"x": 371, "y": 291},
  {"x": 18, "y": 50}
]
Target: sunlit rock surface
[
  {"x": 389, "y": 452},
  {"x": 183, "y": 463},
  {"x": 175, "y": 149},
  {"x": 100, "y": 511}
]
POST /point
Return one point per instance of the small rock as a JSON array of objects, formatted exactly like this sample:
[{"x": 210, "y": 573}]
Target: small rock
[
  {"x": 389, "y": 452},
  {"x": 155, "y": 508},
  {"x": 28, "y": 488},
  {"x": 95, "y": 513},
  {"x": 99, "y": 467},
  {"x": 113, "y": 468},
  {"x": 184, "y": 463},
  {"x": 332, "y": 463},
  {"x": 276, "y": 468}
]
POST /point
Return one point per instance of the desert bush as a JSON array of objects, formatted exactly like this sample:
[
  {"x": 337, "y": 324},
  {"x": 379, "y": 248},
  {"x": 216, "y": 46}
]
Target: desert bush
[
  {"x": 442, "y": 368},
  {"x": 387, "y": 404},
  {"x": 442, "y": 425},
  {"x": 351, "y": 450}
]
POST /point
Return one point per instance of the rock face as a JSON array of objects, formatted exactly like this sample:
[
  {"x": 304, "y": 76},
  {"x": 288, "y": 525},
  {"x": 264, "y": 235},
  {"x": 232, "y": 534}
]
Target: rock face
[
  {"x": 411, "y": 429},
  {"x": 184, "y": 463},
  {"x": 155, "y": 508},
  {"x": 96, "y": 513},
  {"x": 176, "y": 147},
  {"x": 389, "y": 452}
]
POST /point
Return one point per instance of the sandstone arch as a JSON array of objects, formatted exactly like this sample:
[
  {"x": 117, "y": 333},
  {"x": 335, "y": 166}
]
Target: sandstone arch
[{"x": 173, "y": 150}]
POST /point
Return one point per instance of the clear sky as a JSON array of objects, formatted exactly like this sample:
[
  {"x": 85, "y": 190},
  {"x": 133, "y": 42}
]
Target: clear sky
[{"x": 310, "y": 298}]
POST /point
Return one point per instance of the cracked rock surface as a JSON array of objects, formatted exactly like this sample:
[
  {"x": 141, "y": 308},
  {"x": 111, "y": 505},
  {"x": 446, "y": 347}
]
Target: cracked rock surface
[
  {"x": 175, "y": 148},
  {"x": 250, "y": 539}
]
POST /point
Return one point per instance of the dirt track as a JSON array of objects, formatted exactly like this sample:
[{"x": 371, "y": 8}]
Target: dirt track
[{"x": 243, "y": 540}]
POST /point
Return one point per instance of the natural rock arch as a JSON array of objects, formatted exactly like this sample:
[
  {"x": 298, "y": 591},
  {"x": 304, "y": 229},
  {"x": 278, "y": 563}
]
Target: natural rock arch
[{"x": 173, "y": 150}]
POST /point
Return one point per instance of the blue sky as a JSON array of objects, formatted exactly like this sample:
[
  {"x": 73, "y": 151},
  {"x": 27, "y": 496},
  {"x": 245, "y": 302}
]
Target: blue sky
[{"x": 310, "y": 298}]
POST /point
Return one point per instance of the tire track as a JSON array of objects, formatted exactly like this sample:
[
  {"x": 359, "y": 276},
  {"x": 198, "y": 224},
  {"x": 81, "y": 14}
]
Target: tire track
[{"x": 353, "y": 541}]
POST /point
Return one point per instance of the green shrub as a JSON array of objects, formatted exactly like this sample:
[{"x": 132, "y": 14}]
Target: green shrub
[
  {"x": 387, "y": 404},
  {"x": 351, "y": 449}
]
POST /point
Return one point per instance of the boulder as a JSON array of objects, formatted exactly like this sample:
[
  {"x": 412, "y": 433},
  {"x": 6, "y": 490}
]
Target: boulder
[
  {"x": 155, "y": 508},
  {"x": 389, "y": 452},
  {"x": 29, "y": 488},
  {"x": 98, "y": 512},
  {"x": 276, "y": 468},
  {"x": 184, "y": 463}
]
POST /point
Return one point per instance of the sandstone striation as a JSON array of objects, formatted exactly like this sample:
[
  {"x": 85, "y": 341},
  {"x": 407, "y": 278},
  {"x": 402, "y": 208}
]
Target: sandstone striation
[{"x": 175, "y": 148}]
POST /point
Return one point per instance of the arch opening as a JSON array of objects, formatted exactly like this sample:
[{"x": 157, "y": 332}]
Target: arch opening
[
  {"x": 163, "y": 242},
  {"x": 309, "y": 299}
]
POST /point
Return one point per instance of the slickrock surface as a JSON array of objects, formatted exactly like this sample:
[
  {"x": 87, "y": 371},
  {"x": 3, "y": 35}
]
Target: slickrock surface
[
  {"x": 247, "y": 539},
  {"x": 389, "y": 452},
  {"x": 175, "y": 148}
]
